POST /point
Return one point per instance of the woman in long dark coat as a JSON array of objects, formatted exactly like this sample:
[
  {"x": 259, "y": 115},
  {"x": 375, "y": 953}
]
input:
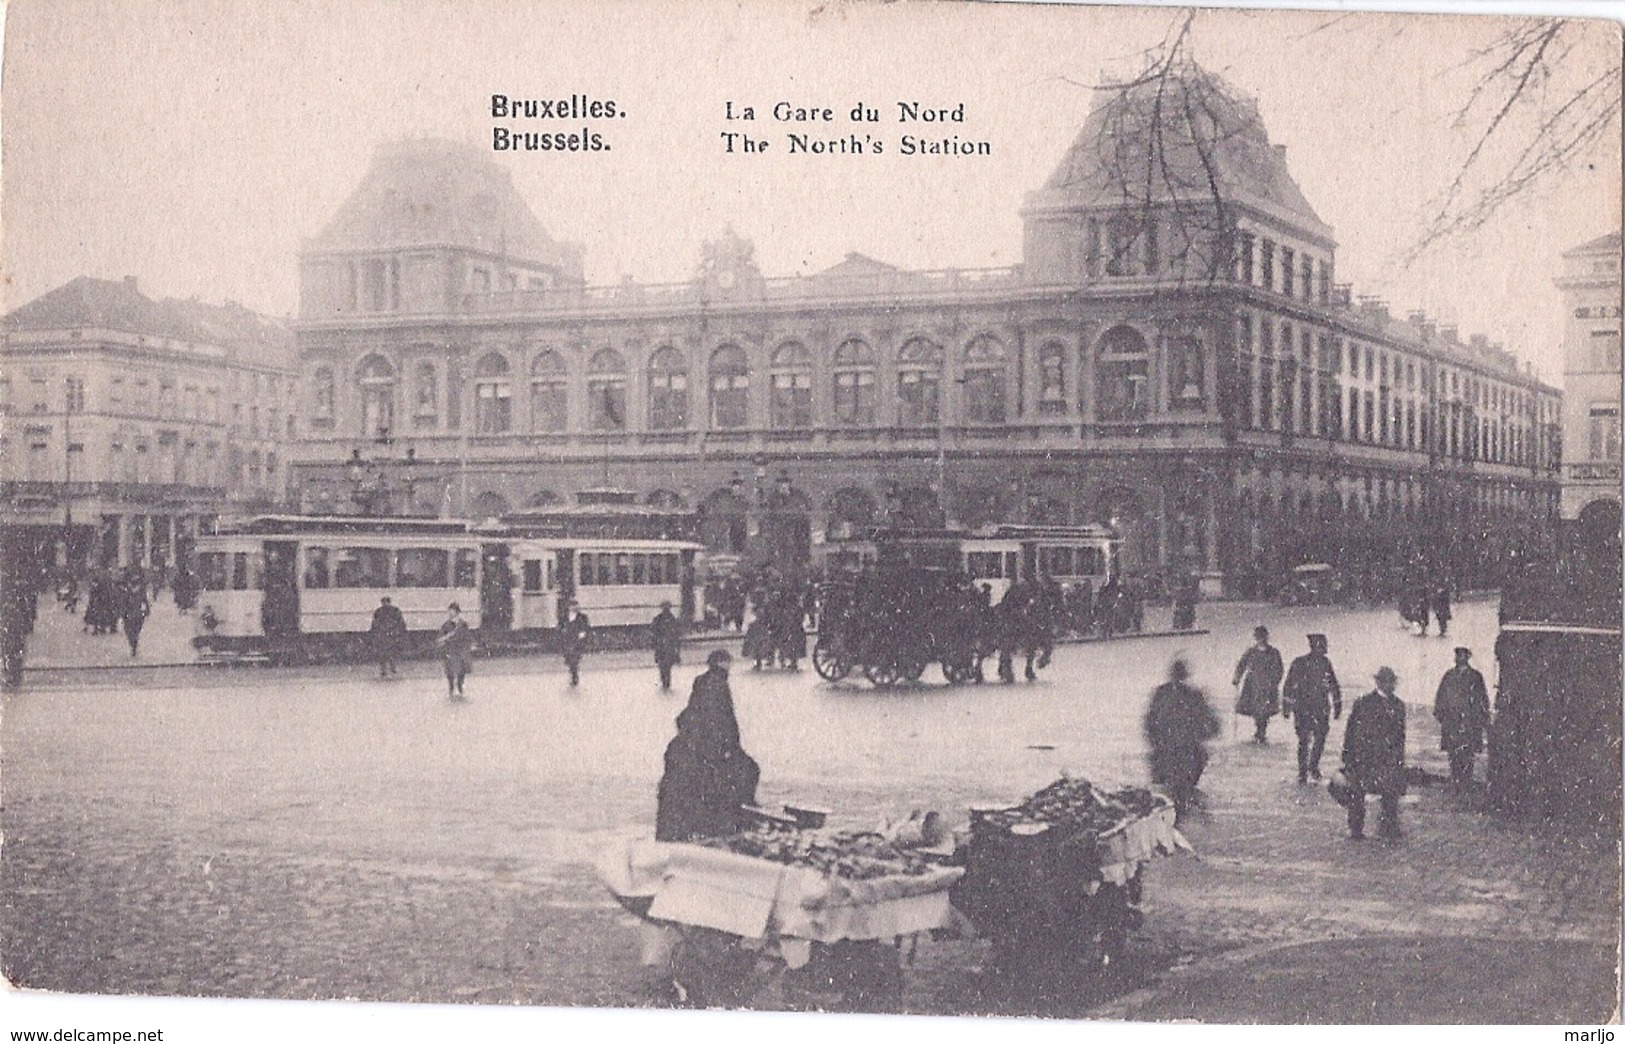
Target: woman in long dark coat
[
  {"x": 708, "y": 774},
  {"x": 1178, "y": 725}
]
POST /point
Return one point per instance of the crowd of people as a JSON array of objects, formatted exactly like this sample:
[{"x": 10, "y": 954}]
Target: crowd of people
[{"x": 1180, "y": 722}]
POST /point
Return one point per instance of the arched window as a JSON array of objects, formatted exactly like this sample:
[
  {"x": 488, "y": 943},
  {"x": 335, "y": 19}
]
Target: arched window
[
  {"x": 1121, "y": 376},
  {"x": 919, "y": 377},
  {"x": 984, "y": 382},
  {"x": 855, "y": 385},
  {"x": 792, "y": 387},
  {"x": 322, "y": 392},
  {"x": 425, "y": 395},
  {"x": 493, "y": 396},
  {"x": 668, "y": 390},
  {"x": 549, "y": 393},
  {"x": 606, "y": 391},
  {"x": 730, "y": 388},
  {"x": 377, "y": 379}
]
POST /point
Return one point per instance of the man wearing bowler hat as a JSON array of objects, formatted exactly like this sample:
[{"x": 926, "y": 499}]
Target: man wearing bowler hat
[
  {"x": 1374, "y": 754},
  {"x": 1462, "y": 707}
]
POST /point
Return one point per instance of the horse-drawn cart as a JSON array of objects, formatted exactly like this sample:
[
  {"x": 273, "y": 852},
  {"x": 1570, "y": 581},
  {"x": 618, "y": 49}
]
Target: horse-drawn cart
[{"x": 893, "y": 624}]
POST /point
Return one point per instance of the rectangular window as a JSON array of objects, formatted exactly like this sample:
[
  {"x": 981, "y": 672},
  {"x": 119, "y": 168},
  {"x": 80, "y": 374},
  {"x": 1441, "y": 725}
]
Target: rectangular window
[
  {"x": 1605, "y": 351},
  {"x": 606, "y": 569},
  {"x": 421, "y": 567},
  {"x": 211, "y": 570},
  {"x": 531, "y": 576},
  {"x": 1286, "y": 271},
  {"x": 465, "y": 567},
  {"x": 623, "y": 568},
  {"x": 1604, "y": 433},
  {"x": 76, "y": 395},
  {"x": 1266, "y": 256},
  {"x": 730, "y": 397},
  {"x": 586, "y": 564},
  {"x": 640, "y": 568},
  {"x": 317, "y": 575},
  {"x": 1244, "y": 259},
  {"x": 1306, "y": 276},
  {"x": 361, "y": 567},
  {"x": 984, "y": 396}
]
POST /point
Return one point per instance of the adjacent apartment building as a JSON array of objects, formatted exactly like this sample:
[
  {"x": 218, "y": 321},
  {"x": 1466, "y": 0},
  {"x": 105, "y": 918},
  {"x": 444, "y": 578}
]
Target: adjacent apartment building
[
  {"x": 126, "y": 421},
  {"x": 1591, "y": 380}
]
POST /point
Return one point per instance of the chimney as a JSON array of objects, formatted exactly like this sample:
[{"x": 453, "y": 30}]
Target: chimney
[
  {"x": 1479, "y": 342},
  {"x": 1449, "y": 333}
]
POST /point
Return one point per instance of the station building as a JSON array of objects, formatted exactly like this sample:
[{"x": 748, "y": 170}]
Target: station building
[
  {"x": 1173, "y": 356},
  {"x": 126, "y": 423}
]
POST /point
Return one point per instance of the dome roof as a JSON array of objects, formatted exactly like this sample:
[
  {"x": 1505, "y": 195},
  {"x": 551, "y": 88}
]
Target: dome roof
[
  {"x": 1182, "y": 136},
  {"x": 434, "y": 192}
]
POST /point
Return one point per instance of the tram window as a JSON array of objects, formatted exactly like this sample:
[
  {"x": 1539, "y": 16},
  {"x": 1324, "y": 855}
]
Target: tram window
[
  {"x": 640, "y": 569},
  {"x": 623, "y": 568},
  {"x": 584, "y": 564},
  {"x": 211, "y": 570},
  {"x": 606, "y": 569},
  {"x": 984, "y": 565},
  {"x": 247, "y": 571},
  {"x": 468, "y": 567},
  {"x": 1091, "y": 562},
  {"x": 550, "y": 583},
  {"x": 317, "y": 568},
  {"x": 1010, "y": 570},
  {"x": 667, "y": 571},
  {"x": 532, "y": 575},
  {"x": 361, "y": 567},
  {"x": 421, "y": 567}
]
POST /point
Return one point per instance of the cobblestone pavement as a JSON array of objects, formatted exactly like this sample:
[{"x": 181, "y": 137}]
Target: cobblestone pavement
[{"x": 320, "y": 834}]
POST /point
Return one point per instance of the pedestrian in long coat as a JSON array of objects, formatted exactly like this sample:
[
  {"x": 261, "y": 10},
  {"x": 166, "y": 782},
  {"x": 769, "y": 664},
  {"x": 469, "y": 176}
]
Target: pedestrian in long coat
[
  {"x": 573, "y": 633},
  {"x": 1178, "y": 725},
  {"x": 708, "y": 775},
  {"x": 1374, "y": 754},
  {"x": 1441, "y": 607},
  {"x": 456, "y": 644},
  {"x": 666, "y": 633},
  {"x": 1462, "y": 707},
  {"x": 387, "y": 629},
  {"x": 789, "y": 635},
  {"x": 1259, "y": 675},
  {"x": 1420, "y": 598},
  {"x": 133, "y": 610},
  {"x": 1312, "y": 698}
]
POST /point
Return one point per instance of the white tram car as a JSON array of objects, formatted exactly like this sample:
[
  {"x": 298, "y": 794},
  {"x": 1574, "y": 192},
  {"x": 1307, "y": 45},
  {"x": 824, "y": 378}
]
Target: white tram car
[
  {"x": 999, "y": 557},
  {"x": 296, "y": 587}
]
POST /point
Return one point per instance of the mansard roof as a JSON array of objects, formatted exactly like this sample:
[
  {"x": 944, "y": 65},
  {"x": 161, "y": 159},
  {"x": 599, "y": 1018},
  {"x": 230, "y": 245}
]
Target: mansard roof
[
  {"x": 87, "y": 303},
  {"x": 433, "y": 192},
  {"x": 1183, "y": 135}
]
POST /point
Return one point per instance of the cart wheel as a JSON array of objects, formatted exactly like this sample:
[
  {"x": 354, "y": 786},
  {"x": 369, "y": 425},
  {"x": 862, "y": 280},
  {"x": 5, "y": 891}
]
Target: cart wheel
[
  {"x": 884, "y": 675},
  {"x": 956, "y": 673},
  {"x": 828, "y": 663}
]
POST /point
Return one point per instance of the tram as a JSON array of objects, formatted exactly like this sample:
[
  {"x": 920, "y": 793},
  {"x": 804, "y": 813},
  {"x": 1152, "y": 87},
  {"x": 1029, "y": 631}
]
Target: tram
[
  {"x": 998, "y": 557},
  {"x": 289, "y": 587}
]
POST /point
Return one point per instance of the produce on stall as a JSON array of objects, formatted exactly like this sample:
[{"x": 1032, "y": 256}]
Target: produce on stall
[
  {"x": 1057, "y": 878},
  {"x": 720, "y": 907}
]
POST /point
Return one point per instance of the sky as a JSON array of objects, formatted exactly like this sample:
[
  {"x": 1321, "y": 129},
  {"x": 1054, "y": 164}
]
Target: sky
[{"x": 194, "y": 144}]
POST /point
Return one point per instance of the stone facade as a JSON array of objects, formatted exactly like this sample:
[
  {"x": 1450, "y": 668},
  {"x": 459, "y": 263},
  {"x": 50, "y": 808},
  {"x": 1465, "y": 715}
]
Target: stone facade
[
  {"x": 128, "y": 421},
  {"x": 1177, "y": 360},
  {"x": 1591, "y": 377}
]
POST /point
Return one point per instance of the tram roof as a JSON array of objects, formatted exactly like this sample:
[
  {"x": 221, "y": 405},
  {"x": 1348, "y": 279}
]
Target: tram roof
[{"x": 346, "y": 525}]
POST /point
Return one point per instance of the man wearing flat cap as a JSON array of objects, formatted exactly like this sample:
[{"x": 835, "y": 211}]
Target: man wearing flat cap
[
  {"x": 1311, "y": 698},
  {"x": 1374, "y": 754},
  {"x": 1462, "y": 707}
]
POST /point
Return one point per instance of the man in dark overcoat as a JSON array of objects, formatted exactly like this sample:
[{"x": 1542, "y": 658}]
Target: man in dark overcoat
[
  {"x": 666, "y": 633},
  {"x": 1178, "y": 725},
  {"x": 1311, "y": 698},
  {"x": 573, "y": 632},
  {"x": 1374, "y": 754},
  {"x": 1462, "y": 707},
  {"x": 386, "y": 632},
  {"x": 1441, "y": 606},
  {"x": 1259, "y": 676}
]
